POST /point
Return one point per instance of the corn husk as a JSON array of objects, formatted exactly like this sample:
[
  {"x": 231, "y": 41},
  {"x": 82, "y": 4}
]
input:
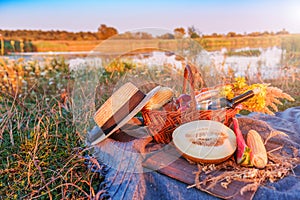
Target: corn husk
[
  {"x": 163, "y": 96},
  {"x": 258, "y": 155}
]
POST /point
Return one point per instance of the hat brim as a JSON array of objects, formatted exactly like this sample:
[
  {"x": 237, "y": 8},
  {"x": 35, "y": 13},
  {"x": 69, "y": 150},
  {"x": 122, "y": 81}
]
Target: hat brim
[{"x": 138, "y": 108}]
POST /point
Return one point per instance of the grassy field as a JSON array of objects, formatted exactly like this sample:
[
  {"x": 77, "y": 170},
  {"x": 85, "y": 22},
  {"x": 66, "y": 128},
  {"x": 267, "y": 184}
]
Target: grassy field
[
  {"x": 44, "y": 46},
  {"x": 42, "y": 154},
  {"x": 210, "y": 44}
]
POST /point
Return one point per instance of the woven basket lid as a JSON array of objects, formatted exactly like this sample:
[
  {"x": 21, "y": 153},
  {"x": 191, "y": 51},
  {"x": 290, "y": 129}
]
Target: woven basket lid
[{"x": 122, "y": 106}]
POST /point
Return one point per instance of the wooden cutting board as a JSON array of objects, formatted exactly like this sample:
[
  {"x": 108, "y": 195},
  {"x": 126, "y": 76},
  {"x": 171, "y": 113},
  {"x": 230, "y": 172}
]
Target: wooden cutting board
[{"x": 167, "y": 161}]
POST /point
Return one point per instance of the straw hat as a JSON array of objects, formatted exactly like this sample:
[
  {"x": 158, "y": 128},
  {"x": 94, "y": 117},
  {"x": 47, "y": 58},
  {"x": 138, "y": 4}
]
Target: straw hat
[{"x": 122, "y": 106}]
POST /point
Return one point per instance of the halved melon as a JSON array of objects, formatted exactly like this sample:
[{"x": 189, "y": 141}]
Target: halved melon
[{"x": 205, "y": 141}]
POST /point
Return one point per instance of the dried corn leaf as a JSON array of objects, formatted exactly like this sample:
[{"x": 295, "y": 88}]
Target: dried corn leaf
[{"x": 273, "y": 134}]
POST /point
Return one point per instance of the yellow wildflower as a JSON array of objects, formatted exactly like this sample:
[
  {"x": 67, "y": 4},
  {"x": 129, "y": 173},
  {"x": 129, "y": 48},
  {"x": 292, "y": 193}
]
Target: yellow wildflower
[
  {"x": 227, "y": 91},
  {"x": 240, "y": 83}
]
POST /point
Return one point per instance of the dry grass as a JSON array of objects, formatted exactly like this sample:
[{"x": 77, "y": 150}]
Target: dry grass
[
  {"x": 42, "y": 156},
  {"x": 280, "y": 165},
  {"x": 61, "y": 45}
]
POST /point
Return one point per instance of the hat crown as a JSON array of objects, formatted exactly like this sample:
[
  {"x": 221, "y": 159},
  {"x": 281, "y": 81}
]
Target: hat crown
[{"x": 120, "y": 104}]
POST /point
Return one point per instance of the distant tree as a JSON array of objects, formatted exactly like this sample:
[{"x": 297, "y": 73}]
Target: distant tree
[
  {"x": 255, "y": 34},
  {"x": 193, "y": 32},
  {"x": 142, "y": 35},
  {"x": 166, "y": 36},
  {"x": 231, "y": 34},
  {"x": 134, "y": 35},
  {"x": 213, "y": 35},
  {"x": 282, "y": 32},
  {"x": 265, "y": 33},
  {"x": 105, "y": 32},
  {"x": 126, "y": 35},
  {"x": 179, "y": 32}
]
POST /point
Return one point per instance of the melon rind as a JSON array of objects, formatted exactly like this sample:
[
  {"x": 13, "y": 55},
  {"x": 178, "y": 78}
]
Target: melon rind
[{"x": 206, "y": 129}]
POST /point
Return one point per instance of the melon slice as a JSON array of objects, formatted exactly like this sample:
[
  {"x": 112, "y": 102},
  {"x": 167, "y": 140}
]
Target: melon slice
[{"x": 205, "y": 141}]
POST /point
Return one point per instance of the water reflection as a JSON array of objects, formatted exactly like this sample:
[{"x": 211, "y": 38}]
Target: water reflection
[
  {"x": 267, "y": 64},
  {"x": 270, "y": 64}
]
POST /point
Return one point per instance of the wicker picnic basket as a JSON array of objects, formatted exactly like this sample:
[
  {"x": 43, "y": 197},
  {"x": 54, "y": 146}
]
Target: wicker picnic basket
[{"x": 162, "y": 123}]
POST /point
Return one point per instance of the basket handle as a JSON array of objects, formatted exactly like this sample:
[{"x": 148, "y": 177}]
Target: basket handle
[{"x": 189, "y": 78}]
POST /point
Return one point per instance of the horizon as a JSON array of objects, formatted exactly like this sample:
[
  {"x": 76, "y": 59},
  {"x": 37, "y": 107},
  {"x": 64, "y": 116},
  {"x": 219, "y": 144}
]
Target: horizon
[
  {"x": 210, "y": 17},
  {"x": 162, "y": 31}
]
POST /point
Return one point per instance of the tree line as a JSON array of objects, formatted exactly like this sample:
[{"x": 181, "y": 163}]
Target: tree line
[
  {"x": 105, "y": 32},
  {"x": 21, "y": 40}
]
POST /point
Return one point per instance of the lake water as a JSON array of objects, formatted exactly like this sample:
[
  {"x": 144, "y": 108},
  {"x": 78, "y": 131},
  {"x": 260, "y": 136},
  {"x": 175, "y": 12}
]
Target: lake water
[{"x": 268, "y": 63}]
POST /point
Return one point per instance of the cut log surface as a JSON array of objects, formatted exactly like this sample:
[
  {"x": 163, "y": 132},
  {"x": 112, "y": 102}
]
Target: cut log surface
[{"x": 181, "y": 170}]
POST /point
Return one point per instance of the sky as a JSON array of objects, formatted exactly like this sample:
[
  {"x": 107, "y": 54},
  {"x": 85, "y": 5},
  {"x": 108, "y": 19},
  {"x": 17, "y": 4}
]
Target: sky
[{"x": 211, "y": 16}]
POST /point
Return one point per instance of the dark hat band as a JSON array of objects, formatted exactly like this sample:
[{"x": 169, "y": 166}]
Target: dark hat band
[{"x": 127, "y": 108}]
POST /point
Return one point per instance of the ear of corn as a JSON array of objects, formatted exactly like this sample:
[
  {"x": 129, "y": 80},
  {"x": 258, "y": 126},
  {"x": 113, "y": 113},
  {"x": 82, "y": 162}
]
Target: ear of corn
[
  {"x": 163, "y": 96},
  {"x": 258, "y": 155}
]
